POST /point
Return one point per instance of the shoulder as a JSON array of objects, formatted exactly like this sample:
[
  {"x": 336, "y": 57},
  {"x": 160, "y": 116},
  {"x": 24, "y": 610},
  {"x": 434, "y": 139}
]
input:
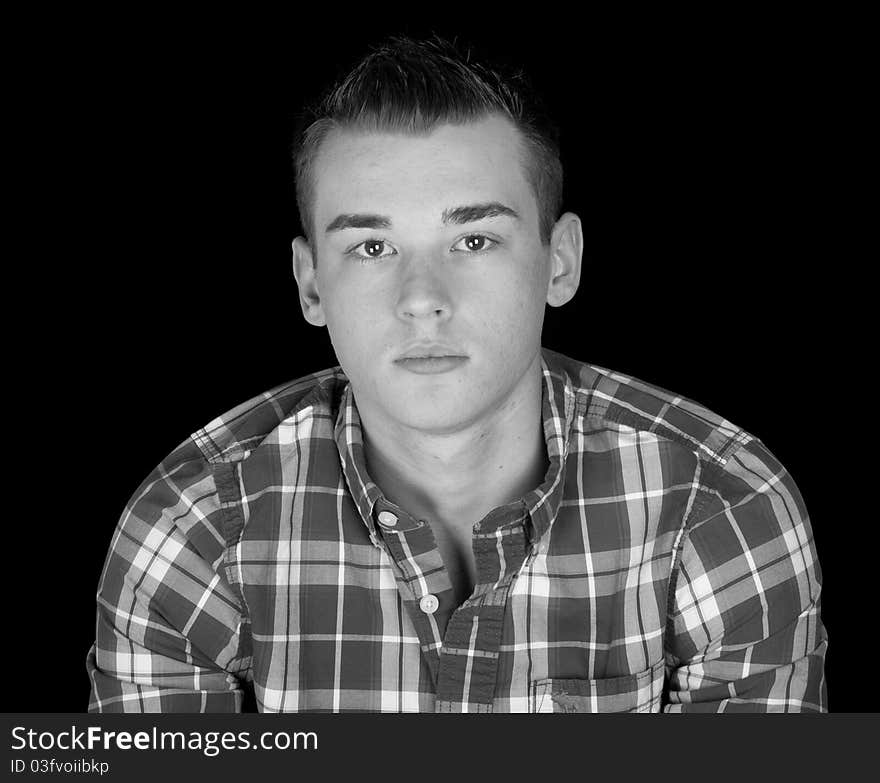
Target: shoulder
[
  {"x": 739, "y": 484},
  {"x": 180, "y": 502},
  {"x": 746, "y": 522},
  {"x": 232, "y": 435},
  {"x": 613, "y": 400}
]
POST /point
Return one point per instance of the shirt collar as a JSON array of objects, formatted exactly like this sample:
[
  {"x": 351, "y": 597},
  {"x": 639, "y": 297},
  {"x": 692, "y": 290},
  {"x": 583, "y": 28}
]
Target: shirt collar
[{"x": 559, "y": 407}]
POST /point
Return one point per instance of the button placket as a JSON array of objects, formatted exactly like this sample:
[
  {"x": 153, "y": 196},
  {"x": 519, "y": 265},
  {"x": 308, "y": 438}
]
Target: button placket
[
  {"x": 412, "y": 548},
  {"x": 498, "y": 560}
]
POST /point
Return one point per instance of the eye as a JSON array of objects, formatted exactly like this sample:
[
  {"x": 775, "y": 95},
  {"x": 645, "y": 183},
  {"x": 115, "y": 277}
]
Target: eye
[
  {"x": 475, "y": 243},
  {"x": 371, "y": 250}
]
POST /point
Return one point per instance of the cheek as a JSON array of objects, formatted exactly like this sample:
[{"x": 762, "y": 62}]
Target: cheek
[
  {"x": 347, "y": 327},
  {"x": 352, "y": 321},
  {"x": 513, "y": 312}
]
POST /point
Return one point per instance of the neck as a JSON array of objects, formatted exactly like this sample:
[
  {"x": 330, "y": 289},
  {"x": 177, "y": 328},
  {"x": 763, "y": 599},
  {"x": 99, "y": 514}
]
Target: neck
[{"x": 459, "y": 477}]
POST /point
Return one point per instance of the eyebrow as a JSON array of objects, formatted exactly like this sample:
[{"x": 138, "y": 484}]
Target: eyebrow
[{"x": 455, "y": 215}]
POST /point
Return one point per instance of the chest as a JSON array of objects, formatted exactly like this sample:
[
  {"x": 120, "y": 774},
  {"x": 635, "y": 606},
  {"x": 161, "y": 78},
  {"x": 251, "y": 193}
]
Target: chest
[
  {"x": 330, "y": 634},
  {"x": 456, "y": 550}
]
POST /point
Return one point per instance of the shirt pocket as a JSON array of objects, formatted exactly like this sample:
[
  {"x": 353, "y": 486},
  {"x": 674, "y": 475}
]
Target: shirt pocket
[{"x": 638, "y": 692}]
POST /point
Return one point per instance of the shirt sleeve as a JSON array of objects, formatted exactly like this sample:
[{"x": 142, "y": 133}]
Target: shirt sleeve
[
  {"x": 168, "y": 622},
  {"x": 745, "y": 632}
]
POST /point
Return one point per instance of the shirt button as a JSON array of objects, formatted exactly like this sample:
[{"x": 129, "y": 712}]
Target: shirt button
[
  {"x": 387, "y": 518},
  {"x": 429, "y": 603}
]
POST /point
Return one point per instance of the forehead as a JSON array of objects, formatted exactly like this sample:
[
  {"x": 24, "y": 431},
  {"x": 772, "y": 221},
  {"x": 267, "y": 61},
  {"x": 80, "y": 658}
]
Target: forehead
[{"x": 477, "y": 161}]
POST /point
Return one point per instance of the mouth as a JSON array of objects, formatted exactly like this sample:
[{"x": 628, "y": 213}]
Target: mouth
[
  {"x": 430, "y": 365},
  {"x": 425, "y": 349}
]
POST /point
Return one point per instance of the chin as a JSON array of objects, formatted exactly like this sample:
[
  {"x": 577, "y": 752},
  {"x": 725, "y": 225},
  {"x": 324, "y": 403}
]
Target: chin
[{"x": 429, "y": 416}]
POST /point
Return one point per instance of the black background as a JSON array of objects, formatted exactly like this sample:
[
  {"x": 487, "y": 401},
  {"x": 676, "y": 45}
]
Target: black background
[{"x": 696, "y": 152}]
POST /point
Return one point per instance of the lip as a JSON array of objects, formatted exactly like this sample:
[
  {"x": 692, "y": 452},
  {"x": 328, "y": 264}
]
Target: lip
[
  {"x": 429, "y": 350},
  {"x": 430, "y": 365}
]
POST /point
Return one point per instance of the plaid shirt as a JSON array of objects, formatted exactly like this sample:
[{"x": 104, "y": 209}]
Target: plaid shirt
[{"x": 665, "y": 563}]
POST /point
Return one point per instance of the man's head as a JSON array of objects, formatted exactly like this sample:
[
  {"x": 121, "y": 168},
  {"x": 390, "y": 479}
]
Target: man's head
[{"x": 427, "y": 237}]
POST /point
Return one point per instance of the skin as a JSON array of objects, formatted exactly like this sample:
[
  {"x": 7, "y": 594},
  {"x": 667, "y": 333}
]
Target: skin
[{"x": 447, "y": 447}]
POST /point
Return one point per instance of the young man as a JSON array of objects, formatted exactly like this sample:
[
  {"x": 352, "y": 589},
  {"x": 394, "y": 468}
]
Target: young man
[{"x": 455, "y": 519}]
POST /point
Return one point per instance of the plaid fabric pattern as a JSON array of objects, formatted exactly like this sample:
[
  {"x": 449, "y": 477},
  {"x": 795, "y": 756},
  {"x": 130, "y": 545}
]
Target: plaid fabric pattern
[{"x": 666, "y": 563}]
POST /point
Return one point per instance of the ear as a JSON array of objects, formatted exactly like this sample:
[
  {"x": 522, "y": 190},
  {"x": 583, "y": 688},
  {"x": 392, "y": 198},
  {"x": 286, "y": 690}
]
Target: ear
[
  {"x": 307, "y": 279},
  {"x": 566, "y": 248}
]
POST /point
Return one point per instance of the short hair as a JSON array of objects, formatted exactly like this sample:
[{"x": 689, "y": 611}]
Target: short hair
[{"x": 411, "y": 86}]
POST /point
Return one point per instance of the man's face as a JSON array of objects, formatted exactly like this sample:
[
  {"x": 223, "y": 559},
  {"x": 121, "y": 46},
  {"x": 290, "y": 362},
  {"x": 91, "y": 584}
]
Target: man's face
[{"x": 430, "y": 245}]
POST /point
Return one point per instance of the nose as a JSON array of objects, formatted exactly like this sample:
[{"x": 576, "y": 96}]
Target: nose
[{"x": 423, "y": 294}]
